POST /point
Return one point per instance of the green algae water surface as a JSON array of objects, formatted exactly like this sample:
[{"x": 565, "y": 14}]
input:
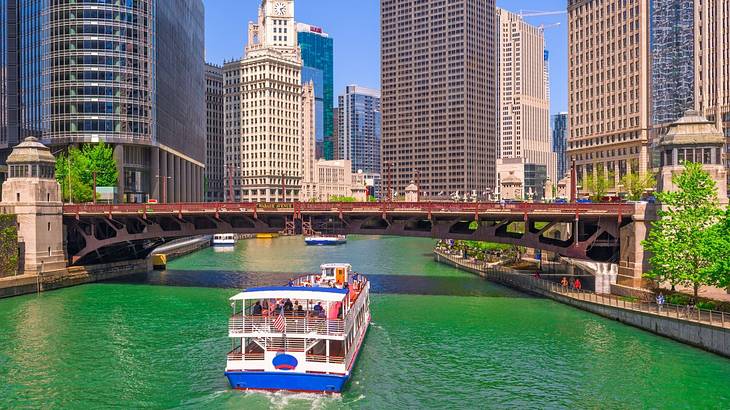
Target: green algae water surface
[{"x": 440, "y": 338}]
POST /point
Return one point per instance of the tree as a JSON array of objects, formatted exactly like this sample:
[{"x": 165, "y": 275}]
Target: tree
[
  {"x": 635, "y": 184},
  {"x": 680, "y": 239},
  {"x": 715, "y": 248},
  {"x": 82, "y": 164},
  {"x": 337, "y": 198},
  {"x": 597, "y": 184}
]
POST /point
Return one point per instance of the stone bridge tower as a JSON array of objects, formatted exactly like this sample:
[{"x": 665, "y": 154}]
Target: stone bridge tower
[
  {"x": 33, "y": 194},
  {"x": 693, "y": 138}
]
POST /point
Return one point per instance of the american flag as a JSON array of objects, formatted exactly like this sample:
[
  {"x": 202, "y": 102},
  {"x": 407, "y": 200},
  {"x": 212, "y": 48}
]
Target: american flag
[{"x": 280, "y": 322}]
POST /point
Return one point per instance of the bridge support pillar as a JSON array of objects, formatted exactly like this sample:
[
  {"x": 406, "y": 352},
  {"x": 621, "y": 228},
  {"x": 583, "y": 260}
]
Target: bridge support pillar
[
  {"x": 633, "y": 259},
  {"x": 178, "y": 179},
  {"x": 154, "y": 172},
  {"x": 119, "y": 160}
]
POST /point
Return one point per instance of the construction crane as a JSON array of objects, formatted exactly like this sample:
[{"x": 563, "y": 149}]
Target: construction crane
[
  {"x": 536, "y": 13},
  {"x": 542, "y": 27}
]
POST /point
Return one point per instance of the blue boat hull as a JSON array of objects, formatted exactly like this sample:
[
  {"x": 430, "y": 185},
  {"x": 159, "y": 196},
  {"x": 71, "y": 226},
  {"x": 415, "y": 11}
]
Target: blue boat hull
[
  {"x": 298, "y": 382},
  {"x": 320, "y": 242}
]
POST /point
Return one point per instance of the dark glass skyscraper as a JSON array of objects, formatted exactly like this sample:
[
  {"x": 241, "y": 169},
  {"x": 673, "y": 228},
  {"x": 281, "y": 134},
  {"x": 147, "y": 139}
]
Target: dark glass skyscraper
[
  {"x": 317, "y": 54},
  {"x": 673, "y": 62},
  {"x": 560, "y": 142},
  {"x": 130, "y": 73}
]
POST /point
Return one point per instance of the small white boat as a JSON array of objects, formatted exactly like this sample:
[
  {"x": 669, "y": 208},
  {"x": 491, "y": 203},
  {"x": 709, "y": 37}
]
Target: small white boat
[
  {"x": 302, "y": 337},
  {"x": 224, "y": 239},
  {"x": 324, "y": 240}
]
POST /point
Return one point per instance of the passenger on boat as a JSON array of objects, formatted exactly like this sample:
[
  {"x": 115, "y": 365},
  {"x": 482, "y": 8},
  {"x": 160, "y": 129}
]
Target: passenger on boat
[
  {"x": 300, "y": 310},
  {"x": 288, "y": 306},
  {"x": 318, "y": 309},
  {"x": 257, "y": 309}
]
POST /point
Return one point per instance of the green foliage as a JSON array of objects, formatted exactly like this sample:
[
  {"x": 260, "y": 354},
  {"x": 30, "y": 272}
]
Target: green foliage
[
  {"x": 684, "y": 240},
  {"x": 597, "y": 184},
  {"x": 715, "y": 248},
  {"x": 83, "y": 163},
  {"x": 677, "y": 299},
  {"x": 8, "y": 245},
  {"x": 635, "y": 184},
  {"x": 708, "y": 305},
  {"x": 487, "y": 246},
  {"x": 338, "y": 198}
]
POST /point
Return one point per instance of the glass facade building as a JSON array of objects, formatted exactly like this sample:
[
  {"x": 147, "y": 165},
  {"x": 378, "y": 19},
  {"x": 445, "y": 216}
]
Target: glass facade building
[
  {"x": 318, "y": 54},
  {"x": 560, "y": 143},
  {"x": 360, "y": 129},
  {"x": 110, "y": 70},
  {"x": 673, "y": 60}
]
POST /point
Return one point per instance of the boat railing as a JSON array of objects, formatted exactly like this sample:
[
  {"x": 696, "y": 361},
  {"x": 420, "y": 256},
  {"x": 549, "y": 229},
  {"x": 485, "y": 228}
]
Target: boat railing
[
  {"x": 237, "y": 354},
  {"x": 293, "y": 325},
  {"x": 315, "y": 358},
  {"x": 357, "y": 306}
]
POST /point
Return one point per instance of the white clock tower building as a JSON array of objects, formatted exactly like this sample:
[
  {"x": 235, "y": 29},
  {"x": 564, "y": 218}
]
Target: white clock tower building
[{"x": 263, "y": 110}]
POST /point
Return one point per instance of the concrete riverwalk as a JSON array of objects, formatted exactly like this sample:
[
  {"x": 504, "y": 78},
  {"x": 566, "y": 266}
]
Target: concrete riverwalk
[{"x": 708, "y": 330}]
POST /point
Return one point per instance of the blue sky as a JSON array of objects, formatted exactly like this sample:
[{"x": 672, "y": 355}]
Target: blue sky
[{"x": 355, "y": 27}]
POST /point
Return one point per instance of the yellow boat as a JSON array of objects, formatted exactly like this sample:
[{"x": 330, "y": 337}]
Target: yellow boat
[{"x": 267, "y": 235}]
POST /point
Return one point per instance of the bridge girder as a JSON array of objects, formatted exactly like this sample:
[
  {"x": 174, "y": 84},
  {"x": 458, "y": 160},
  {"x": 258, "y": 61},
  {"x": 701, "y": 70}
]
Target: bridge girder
[{"x": 95, "y": 237}]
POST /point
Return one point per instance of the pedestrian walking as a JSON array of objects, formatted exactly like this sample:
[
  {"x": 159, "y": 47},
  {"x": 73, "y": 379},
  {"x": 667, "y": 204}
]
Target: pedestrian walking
[
  {"x": 564, "y": 282},
  {"x": 660, "y": 301},
  {"x": 577, "y": 284}
]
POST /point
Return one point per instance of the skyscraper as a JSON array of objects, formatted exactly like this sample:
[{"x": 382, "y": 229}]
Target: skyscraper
[
  {"x": 83, "y": 72},
  {"x": 690, "y": 42},
  {"x": 263, "y": 108},
  {"x": 524, "y": 106},
  {"x": 318, "y": 66},
  {"x": 214, "y": 133},
  {"x": 438, "y": 94},
  {"x": 608, "y": 87},
  {"x": 560, "y": 142},
  {"x": 359, "y": 128}
]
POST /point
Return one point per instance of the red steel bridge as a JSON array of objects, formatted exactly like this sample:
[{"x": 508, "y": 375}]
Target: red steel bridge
[{"x": 111, "y": 233}]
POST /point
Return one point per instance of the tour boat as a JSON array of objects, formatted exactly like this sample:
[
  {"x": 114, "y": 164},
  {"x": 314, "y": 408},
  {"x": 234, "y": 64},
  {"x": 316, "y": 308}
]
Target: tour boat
[
  {"x": 325, "y": 240},
  {"x": 224, "y": 239},
  {"x": 302, "y": 337}
]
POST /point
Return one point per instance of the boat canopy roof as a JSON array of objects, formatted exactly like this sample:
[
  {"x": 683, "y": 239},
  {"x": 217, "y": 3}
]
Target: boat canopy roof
[
  {"x": 335, "y": 265},
  {"x": 287, "y": 292}
]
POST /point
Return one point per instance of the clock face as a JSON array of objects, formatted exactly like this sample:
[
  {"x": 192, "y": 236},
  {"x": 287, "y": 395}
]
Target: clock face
[{"x": 280, "y": 9}]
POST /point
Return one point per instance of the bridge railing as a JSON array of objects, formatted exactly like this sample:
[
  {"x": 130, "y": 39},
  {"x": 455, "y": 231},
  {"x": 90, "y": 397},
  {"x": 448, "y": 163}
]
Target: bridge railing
[
  {"x": 538, "y": 285},
  {"x": 288, "y": 207}
]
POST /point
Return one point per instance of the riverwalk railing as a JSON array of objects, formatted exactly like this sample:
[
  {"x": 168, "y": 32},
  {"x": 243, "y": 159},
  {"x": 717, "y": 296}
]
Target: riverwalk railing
[{"x": 544, "y": 287}]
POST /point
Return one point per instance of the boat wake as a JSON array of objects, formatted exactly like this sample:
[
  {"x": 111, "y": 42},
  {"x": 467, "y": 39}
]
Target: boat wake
[{"x": 283, "y": 399}]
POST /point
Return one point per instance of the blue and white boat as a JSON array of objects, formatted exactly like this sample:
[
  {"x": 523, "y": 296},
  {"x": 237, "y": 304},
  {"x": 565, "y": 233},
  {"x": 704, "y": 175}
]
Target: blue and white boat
[
  {"x": 305, "y": 337},
  {"x": 224, "y": 239},
  {"x": 324, "y": 240}
]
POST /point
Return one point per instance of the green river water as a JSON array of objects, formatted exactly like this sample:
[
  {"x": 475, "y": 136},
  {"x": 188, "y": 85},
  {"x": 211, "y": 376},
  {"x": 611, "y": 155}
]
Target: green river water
[{"x": 440, "y": 338}]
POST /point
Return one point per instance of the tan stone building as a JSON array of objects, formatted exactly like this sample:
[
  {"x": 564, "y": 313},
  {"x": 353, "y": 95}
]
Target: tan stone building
[
  {"x": 608, "y": 84},
  {"x": 438, "y": 82},
  {"x": 308, "y": 141},
  {"x": 334, "y": 179},
  {"x": 523, "y": 101},
  {"x": 263, "y": 109}
]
